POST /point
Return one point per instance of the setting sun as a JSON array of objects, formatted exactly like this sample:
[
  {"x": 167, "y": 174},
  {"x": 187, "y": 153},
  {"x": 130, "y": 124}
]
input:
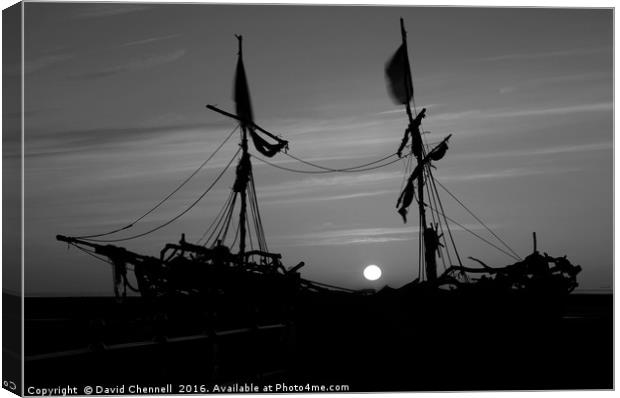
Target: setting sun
[{"x": 372, "y": 272}]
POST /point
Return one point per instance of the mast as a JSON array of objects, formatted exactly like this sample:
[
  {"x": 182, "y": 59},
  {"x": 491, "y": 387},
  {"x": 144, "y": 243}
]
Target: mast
[
  {"x": 244, "y": 181},
  {"x": 414, "y": 123},
  {"x": 245, "y": 159}
]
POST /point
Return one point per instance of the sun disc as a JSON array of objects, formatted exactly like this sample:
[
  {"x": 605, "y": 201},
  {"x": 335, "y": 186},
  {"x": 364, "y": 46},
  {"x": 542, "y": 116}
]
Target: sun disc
[{"x": 372, "y": 272}]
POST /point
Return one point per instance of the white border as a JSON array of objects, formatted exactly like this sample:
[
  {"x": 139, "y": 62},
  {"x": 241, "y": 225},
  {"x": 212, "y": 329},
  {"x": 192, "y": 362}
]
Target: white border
[{"x": 474, "y": 3}]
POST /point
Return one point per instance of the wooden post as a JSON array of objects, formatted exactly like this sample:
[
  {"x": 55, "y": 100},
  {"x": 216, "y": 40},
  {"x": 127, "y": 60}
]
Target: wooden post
[{"x": 534, "y": 239}]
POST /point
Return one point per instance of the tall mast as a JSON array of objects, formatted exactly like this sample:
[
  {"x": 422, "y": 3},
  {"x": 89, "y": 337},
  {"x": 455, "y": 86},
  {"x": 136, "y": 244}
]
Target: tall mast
[
  {"x": 245, "y": 159},
  {"x": 245, "y": 117},
  {"x": 430, "y": 273}
]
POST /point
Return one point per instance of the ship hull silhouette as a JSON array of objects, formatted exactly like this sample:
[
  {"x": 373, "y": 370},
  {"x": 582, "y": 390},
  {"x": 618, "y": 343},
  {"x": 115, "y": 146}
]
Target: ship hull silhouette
[{"x": 370, "y": 343}]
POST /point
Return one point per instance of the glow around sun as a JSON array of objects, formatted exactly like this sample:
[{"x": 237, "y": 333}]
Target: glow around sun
[{"x": 372, "y": 272}]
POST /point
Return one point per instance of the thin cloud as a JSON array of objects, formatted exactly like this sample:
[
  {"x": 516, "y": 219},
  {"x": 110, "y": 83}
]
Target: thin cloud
[
  {"x": 507, "y": 173},
  {"x": 561, "y": 110},
  {"x": 347, "y": 236},
  {"x": 149, "y": 40},
  {"x": 564, "y": 110},
  {"x": 82, "y": 140},
  {"x": 402, "y": 110},
  {"x": 37, "y": 64},
  {"x": 572, "y": 78},
  {"x": 314, "y": 199},
  {"x": 107, "y": 10},
  {"x": 390, "y": 112},
  {"x": 31, "y": 112},
  {"x": 133, "y": 65},
  {"x": 548, "y": 54},
  {"x": 358, "y": 236},
  {"x": 556, "y": 150},
  {"x": 507, "y": 89},
  {"x": 449, "y": 116},
  {"x": 538, "y": 83},
  {"x": 310, "y": 185}
]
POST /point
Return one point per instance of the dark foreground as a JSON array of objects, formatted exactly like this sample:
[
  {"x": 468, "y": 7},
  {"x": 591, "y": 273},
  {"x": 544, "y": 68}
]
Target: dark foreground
[{"x": 369, "y": 343}]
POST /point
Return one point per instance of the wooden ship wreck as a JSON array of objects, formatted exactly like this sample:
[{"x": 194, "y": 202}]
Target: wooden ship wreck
[{"x": 225, "y": 308}]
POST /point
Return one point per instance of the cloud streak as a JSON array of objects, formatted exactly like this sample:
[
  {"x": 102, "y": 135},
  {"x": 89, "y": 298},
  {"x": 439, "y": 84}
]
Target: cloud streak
[
  {"x": 356, "y": 236},
  {"x": 44, "y": 143},
  {"x": 310, "y": 185},
  {"x": 149, "y": 40},
  {"x": 577, "y": 52},
  {"x": 555, "y": 150},
  {"x": 549, "y": 111},
  {"x": 507, "y": 173},
  {"x": 35, "y": 65},
  {"x": 107, "y": 10},
  {"x": 563, "y": 110},
  {"x": 328, "y": 198},
  {"x": 133, "y": 65}
]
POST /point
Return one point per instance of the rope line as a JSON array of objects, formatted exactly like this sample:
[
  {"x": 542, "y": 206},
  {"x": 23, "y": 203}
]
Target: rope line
[
  {"x": 324, "y": 171},
  {"x": 437, "y": 222},
  {"x": 443, "y": 213},
  {"x": 217, "y": 217},
  {"x": 445, "y": 220},
  {"x": 224, "y": 220},
  {"x": 236, "y": 236},
  {"x": 249, "y": 230},
  {"x": 260, "y": 238},
  {"x": 178, "y": 215},
  {"x": 257, "y": 215},
  {"x": 168, "y": 196},
  {"x": 328, "y": 169},
  {"x": 479, "y": 220},
  {"x": 90, "y": 253},
  {"x": 479, "y": 237}
]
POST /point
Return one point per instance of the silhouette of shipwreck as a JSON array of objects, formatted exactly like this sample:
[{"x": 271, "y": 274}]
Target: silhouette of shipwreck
[
  {"x": 227, "y": 287},
  {"x": 196, "y": 269}
]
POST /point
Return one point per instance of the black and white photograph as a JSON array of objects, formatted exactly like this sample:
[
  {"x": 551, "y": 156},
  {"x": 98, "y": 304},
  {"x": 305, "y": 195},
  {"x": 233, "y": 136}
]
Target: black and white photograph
[{"x": 204, "y": 198}]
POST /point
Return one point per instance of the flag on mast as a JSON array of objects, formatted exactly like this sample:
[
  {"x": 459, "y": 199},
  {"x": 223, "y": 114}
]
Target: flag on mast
[
  {"x": 399, "y": 76},
  {"x": 242, "y": 95},
  {"x": 244, "y": 112}
]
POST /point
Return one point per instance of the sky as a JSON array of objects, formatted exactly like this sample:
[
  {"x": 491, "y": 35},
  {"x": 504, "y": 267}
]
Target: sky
[{"x": 115, "y": 119}]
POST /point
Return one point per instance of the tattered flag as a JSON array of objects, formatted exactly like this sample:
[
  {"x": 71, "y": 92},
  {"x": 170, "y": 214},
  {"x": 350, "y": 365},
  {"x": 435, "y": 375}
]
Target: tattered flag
[
  {"x": 244, "y": 112},
  {"x": 406, "y": 197},
  {"x": 439, "y": 151},
  {"x": 399, "y": 77},
  {"x": 242, "y": 95},
  {"x": 265, "y": 147}
]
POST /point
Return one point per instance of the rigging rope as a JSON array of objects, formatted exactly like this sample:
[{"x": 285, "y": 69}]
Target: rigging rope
[
  {"x": 437, "y": 223},
  {"x": 236, "y": 236},
  {"x": 217, "y": 217},
  {"x": 478, "y": 236},
  {"x": 479, "y": 220},
  {"x": 90, "y": 253},
  {"x": 126, "y": 282},
  {"x": 326, "y": 171},
  {"x": 178, "y": 215},
  {"x": 249, "y": 230},
  {"x": 437, "y": 200},
  {"x": 225, "y": 218},
  {"x": 256, "y": 211},
  {"x": 406, "y": 172},
  {"x": 168, "y": 196},
  {"x": 221, "y": 236}
]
